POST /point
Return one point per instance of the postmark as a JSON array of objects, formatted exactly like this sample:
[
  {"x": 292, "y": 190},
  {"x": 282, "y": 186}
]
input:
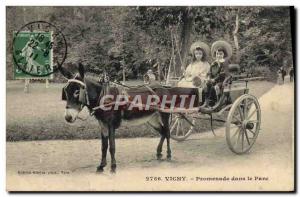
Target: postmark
[{"x": 39, "y": 49}]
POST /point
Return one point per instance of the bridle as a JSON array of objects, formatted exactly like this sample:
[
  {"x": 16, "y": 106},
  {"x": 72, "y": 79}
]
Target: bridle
[{"x": 83, "y": 96}]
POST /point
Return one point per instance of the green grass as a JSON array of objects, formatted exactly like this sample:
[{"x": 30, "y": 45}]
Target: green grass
[{"x": 39, "y": 115}]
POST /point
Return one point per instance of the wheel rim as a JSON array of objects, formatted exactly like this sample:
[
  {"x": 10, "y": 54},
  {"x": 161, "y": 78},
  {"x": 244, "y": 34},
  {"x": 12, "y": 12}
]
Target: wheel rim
[
  {"x": 243, "y": 124},
  {"x": 180, "y": 128}
]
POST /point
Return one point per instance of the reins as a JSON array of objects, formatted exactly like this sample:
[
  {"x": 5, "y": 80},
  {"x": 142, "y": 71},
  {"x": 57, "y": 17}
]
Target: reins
[{"x": 84, "y": 100}]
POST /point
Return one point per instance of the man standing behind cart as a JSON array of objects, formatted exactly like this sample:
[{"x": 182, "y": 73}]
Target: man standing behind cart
[
  {"x": 291, "y": 73},
  {"x": 282, "y": 73}
]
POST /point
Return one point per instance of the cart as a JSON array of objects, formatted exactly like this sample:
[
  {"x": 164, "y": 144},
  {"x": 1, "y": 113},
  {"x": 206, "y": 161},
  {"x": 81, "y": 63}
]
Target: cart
[{"x": 236, "y": 108}]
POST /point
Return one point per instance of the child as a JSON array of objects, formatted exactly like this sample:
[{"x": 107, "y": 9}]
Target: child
[
  {"x": 197, "y": 71},
  {"x": 222, "y": 52}
]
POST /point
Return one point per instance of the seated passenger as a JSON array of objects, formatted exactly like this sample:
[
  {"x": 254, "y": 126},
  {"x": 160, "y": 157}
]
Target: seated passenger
[
  {"x": 199, "y": 66},
  {"x": 222, "y": 52},
  {"x": 149, "y": 77}
]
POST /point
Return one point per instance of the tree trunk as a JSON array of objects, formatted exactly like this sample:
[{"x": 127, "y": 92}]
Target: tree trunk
[
  {"x": 235, "y": 37},
  {"x": 188, "y": 20}
]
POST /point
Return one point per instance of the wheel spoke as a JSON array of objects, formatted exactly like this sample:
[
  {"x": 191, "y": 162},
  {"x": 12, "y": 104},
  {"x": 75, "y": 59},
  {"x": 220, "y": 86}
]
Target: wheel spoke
[
  {"x": 188, "y": 121},
  {"x": 182, "y": 127},
  {"x": 237, "y": 119},
  {"x": 248, "y": 107},
  {"x": 234, "y": 126},
  {"x": 243, "y": 134},
  {"x": 193, "y": 127},
  {"x": 247, "y": 137},
  {"x": 171, "y": 118},
  {"x": 178, "y": 128},
  {"x": 251, "y": 132},
  {"x": 236, "y": 142},
  {"x": 173, "y": 126},
  {"x": 252, "y": 113},
  {"x": 241, "y": 113},
  {"x": 236, "y": 132},
  {"x": 250, "y": 104}
]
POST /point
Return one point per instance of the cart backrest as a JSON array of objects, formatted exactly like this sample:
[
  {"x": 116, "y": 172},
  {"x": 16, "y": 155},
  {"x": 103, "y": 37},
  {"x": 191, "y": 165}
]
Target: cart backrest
[
  {"x": 236, "y": 89},
  {"x": 234, "y": 68}
]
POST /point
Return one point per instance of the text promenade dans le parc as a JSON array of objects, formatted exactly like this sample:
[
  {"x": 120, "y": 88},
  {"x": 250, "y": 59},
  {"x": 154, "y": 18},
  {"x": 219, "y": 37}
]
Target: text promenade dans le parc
[{"x": 204, "y": 179}]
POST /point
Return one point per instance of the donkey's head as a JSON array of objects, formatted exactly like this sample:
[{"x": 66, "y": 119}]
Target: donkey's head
[{"x": 74, "y": 93}]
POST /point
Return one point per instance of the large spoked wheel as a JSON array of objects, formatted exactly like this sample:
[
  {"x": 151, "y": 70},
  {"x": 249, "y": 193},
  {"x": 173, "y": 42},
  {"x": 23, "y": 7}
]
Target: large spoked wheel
[
  {"x": 181, "y": 126},
  {"x": 243, "y": 124}
]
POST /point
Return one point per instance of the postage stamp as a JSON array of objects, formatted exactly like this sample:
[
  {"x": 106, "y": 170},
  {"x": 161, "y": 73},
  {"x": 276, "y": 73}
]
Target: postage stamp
[
  {"x": 33, "y": 54},
  {"x": 36, "y": 46}
]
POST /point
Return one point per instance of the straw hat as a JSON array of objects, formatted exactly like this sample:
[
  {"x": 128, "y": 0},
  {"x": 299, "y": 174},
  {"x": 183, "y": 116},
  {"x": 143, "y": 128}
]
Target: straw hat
[
  {"x": 200, "y": 45},
  {"x": 221, "y": 45}
]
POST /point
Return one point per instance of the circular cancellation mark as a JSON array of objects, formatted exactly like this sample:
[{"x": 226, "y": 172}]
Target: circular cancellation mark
[{"x": 36, "y": 46}]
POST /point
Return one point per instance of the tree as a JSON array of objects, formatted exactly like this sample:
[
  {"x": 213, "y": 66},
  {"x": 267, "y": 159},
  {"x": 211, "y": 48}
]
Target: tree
[
  {"x": 141, "y": 36},
  {"x": 266, "y": 38}
]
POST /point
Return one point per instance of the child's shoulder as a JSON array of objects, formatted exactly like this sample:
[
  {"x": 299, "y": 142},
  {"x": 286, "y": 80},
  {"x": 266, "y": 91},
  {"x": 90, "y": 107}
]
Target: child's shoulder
[
  {"x": 214, "y": 63},
  {"x": 189, "y": 65}
]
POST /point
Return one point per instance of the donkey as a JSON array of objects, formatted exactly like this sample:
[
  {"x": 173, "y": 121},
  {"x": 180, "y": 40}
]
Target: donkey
[{"x": 84, "y": 91}]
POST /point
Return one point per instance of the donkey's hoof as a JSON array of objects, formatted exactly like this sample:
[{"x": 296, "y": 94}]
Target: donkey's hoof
[
  {"x": 113, "y": 168},
  {"x": 159, "y": 156},
  {"x": 169, "y": 158},
  {"x": 100, "y": 169}
]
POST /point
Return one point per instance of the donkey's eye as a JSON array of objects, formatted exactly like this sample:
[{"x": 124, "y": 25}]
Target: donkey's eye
[{"x": 76, "y": 94}]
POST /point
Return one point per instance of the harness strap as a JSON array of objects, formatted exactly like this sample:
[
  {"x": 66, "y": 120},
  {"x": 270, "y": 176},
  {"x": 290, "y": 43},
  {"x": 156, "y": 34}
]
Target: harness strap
[
  {"x": 77, "y": 81},
  {"x": 86, "y": 97},
  {"x": 151, "y": 90},
  {"x": 121, "y": 89}
]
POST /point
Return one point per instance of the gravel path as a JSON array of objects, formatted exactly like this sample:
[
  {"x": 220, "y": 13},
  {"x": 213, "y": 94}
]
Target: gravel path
[{"x": 71, "y": 165}]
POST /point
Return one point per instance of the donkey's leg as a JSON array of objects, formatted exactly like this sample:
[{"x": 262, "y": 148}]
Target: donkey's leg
[
  {"x": 166, "y": 131},
  {"x": 159, "y": 147},
  {"x": 104, "y": 146},
  {"x": 112, "y": 149},
  {"x": 156, "y": 124},
  {"x": 168, "y": 145}
]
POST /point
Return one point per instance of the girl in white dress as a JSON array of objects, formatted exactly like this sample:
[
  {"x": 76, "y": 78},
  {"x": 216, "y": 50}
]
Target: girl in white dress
[{"x": 196, "y": 73}]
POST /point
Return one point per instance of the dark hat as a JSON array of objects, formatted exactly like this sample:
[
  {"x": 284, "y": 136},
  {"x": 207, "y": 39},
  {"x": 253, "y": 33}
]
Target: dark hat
[{"x": 221, "y": 45}]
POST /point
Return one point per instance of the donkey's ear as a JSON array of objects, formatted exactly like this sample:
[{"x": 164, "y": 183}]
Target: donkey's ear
[
  {"x": 67, "y": 74},
  {"x": 81, "y": 70}
]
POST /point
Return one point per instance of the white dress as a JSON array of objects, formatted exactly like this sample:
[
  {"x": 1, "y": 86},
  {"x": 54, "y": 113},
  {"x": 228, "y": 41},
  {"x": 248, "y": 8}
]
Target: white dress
[{"x": 195, "y": 69}]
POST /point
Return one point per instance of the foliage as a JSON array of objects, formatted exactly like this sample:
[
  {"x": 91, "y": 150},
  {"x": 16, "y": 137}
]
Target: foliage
[
  {"x": 271, "y": 29},
  {"x": 260, "y": 71},
  {"x": 108, "y": 38}
]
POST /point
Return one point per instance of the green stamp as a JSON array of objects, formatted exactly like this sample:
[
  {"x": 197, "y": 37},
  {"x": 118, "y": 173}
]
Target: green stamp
[
  {"x": 33, "y": 52},
  {"x": 39, "y": 50}
]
